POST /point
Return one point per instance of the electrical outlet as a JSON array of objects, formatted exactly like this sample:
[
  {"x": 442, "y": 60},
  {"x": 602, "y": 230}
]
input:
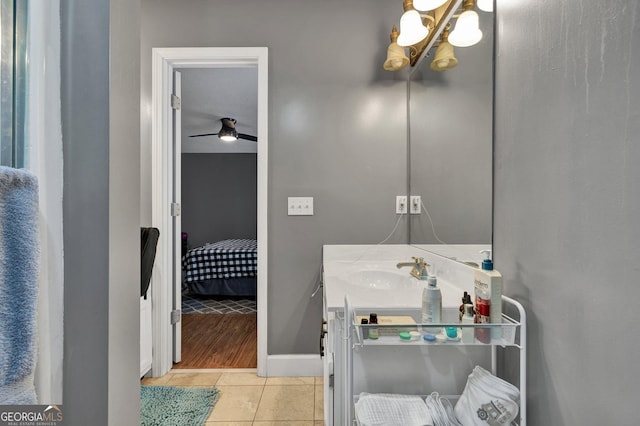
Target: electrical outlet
[
  {"x": 401, "y": 204},
  {"x": 415, "y": 206}
]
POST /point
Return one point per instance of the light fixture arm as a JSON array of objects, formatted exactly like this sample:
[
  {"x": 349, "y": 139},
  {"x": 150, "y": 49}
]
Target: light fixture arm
[
  {"x": 468, "y": 5},
  {"x": 428, "y": 19},
  {"x": 407, "y": 5},
  {"x": 445, "y": 32},
  {"x": 393, "y": 36}
]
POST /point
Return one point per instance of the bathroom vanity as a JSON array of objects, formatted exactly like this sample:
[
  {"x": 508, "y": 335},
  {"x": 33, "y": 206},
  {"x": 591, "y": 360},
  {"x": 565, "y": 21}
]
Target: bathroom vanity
[{"x": 362, "y": 279}]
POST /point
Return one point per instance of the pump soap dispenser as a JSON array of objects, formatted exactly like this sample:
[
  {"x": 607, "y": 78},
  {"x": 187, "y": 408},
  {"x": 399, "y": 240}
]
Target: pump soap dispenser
[{"x": 487, "y": 283}]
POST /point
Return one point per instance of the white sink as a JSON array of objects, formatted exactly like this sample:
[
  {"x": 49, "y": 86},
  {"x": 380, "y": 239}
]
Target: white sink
[
  {"x": 369, "y": 276},
  {"x": 380, "y": 280}
]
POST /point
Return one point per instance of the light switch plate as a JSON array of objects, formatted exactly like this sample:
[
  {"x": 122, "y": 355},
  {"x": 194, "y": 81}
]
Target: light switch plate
[{"x": 300, "y": 206}]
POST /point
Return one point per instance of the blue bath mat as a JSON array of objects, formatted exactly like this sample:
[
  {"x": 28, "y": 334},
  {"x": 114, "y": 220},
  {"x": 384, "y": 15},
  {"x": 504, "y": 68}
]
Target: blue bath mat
[{"x": 176, "y": 406}]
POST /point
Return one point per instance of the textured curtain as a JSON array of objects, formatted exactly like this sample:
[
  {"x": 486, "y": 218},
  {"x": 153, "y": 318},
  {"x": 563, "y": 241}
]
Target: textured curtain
[{"x": 44, "y": 159}]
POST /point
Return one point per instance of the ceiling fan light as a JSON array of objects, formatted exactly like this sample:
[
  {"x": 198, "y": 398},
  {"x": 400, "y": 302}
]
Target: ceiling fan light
[
  {"x": 428, "y": 4},
  {"x": 228, "y": 138},
  {"x": 467, "y": 31},
  {"x": 412, "y": 30},
  {"x": 228, "y": 134}
]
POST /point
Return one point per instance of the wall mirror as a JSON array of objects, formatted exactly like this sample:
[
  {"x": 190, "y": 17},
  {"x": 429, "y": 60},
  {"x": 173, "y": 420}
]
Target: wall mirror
[{"x": 450, "y": 144}]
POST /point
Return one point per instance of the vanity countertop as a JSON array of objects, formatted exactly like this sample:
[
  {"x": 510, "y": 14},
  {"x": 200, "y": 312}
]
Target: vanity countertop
[{"x": 368, "y": 274}]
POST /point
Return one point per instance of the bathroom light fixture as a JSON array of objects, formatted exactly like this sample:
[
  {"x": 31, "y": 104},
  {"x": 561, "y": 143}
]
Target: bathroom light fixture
[
  {"x": 412, "y": 30},
  {"x": 420, "y": 31},
  {"x": 430, "y": 23},
  {"x": 485, "y": 5},
  {"x": 428, "y": 4},
  {"x": 444, "y": 58},
  {"x": 467, "y": 31},
  {"x": 396, "y": 57}
]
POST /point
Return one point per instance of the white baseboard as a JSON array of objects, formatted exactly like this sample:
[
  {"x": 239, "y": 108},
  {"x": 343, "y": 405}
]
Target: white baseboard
[{"x": 294, "y": 365}]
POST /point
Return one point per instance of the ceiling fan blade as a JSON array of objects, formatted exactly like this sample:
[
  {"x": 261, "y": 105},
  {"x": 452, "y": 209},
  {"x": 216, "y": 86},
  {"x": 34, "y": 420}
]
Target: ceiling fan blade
[
  {"x": 247, "y": 137},
  {"x": 204, "y": 134}
]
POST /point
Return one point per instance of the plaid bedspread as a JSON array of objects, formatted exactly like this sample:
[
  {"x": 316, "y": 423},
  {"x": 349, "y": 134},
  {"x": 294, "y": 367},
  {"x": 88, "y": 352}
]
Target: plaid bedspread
[{"x": 224, "y": 259}]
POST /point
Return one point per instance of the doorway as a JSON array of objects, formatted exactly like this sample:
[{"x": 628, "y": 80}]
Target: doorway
[
  {"x": 165, "y": 162},
  {"x": 218, "y": 217}
]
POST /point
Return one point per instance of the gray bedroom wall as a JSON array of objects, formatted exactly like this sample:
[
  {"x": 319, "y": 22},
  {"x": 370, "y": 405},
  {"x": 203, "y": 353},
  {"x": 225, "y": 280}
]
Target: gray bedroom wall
[
  {"x": 337, "y": 131},
  {"x": 566, "y": 234},
  {"x": 100, "y": 126},
  {"x": 219, "y": 197}
]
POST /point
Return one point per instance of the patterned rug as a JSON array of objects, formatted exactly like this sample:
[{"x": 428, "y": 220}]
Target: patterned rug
[
  {"x": 194, "y": 304},
  {"x": 171, "y": 405}
]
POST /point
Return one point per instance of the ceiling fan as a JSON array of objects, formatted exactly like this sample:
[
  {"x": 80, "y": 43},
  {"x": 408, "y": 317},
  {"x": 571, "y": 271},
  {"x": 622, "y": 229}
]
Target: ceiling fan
[{"x": 228, "y": 132}]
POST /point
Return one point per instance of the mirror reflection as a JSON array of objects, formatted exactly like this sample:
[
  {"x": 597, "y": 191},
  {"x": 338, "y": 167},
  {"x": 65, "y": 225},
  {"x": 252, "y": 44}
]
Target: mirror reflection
[{"x": 451, "y": 148}]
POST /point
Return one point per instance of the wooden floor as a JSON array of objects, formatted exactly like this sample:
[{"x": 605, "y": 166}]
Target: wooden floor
[{"x": 219, "y": 341}]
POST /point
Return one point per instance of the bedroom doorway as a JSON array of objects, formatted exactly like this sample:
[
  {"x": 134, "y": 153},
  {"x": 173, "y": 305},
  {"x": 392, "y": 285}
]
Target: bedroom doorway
[
  {"x": 218, "y": 220},
  {"x": 166, "y": 184}
]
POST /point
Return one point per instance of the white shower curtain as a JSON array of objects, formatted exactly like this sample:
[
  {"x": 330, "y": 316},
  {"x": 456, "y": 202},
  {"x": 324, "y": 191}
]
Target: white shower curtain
[{"x": 44, "y": 158}]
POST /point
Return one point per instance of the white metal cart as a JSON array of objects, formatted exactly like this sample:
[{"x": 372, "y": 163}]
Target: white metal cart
[{"x": 513, "y": 335}]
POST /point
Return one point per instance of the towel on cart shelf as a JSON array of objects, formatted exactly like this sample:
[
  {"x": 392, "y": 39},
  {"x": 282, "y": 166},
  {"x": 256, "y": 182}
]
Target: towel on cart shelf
[
  {"x": 223, "y": 259},
  {"x": 373, "y": 409},
  {"x": 19, "y": 260}
]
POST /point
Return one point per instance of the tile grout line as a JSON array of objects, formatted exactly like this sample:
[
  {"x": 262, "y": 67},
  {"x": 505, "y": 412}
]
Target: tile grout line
[
  {"x": 313, "y": 415},
  {"x": 259, "y": 401}
]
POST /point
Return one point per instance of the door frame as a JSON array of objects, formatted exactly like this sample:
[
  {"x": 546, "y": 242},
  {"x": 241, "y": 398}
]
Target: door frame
[{"x": 164, "y": 61}]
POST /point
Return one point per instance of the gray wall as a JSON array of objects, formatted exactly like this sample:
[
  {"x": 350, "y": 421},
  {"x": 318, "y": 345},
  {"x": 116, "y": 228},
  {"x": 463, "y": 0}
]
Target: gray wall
[
  {"x": 337, "y": 131},
  {"x": 566, "y": 234},
  {"x": 100, "y": 127},
  {"x": 219, "y": 197},
  {"x": 451, "y": 137}
]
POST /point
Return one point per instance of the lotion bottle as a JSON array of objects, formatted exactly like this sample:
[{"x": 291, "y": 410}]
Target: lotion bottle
[
  {"x": 487, "y": 284},
  {"x": 431, "y": 304}
]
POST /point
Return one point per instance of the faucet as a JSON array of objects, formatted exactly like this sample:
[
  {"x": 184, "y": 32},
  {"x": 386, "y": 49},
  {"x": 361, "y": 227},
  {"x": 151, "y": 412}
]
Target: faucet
[{"x": 419, "y": 267}]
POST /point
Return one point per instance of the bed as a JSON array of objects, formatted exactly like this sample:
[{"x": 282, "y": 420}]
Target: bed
[{"x": 224, "y": 268}]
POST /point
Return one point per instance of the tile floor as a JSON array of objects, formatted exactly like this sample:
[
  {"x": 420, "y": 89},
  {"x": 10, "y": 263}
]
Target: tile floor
[{"x": 246, "y": 399}]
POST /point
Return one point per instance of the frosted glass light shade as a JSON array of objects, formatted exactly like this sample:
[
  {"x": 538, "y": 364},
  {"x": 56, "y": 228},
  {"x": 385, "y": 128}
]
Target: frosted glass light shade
[
  {"x": 428, "y": 4},
  {"x": 467, "y": 31},
  {"x": 484, "y": 5},
  {"x": 412, "y": 30},
  {"x": 444, "y": 58},
  {"x": 396, "y": 58}
]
